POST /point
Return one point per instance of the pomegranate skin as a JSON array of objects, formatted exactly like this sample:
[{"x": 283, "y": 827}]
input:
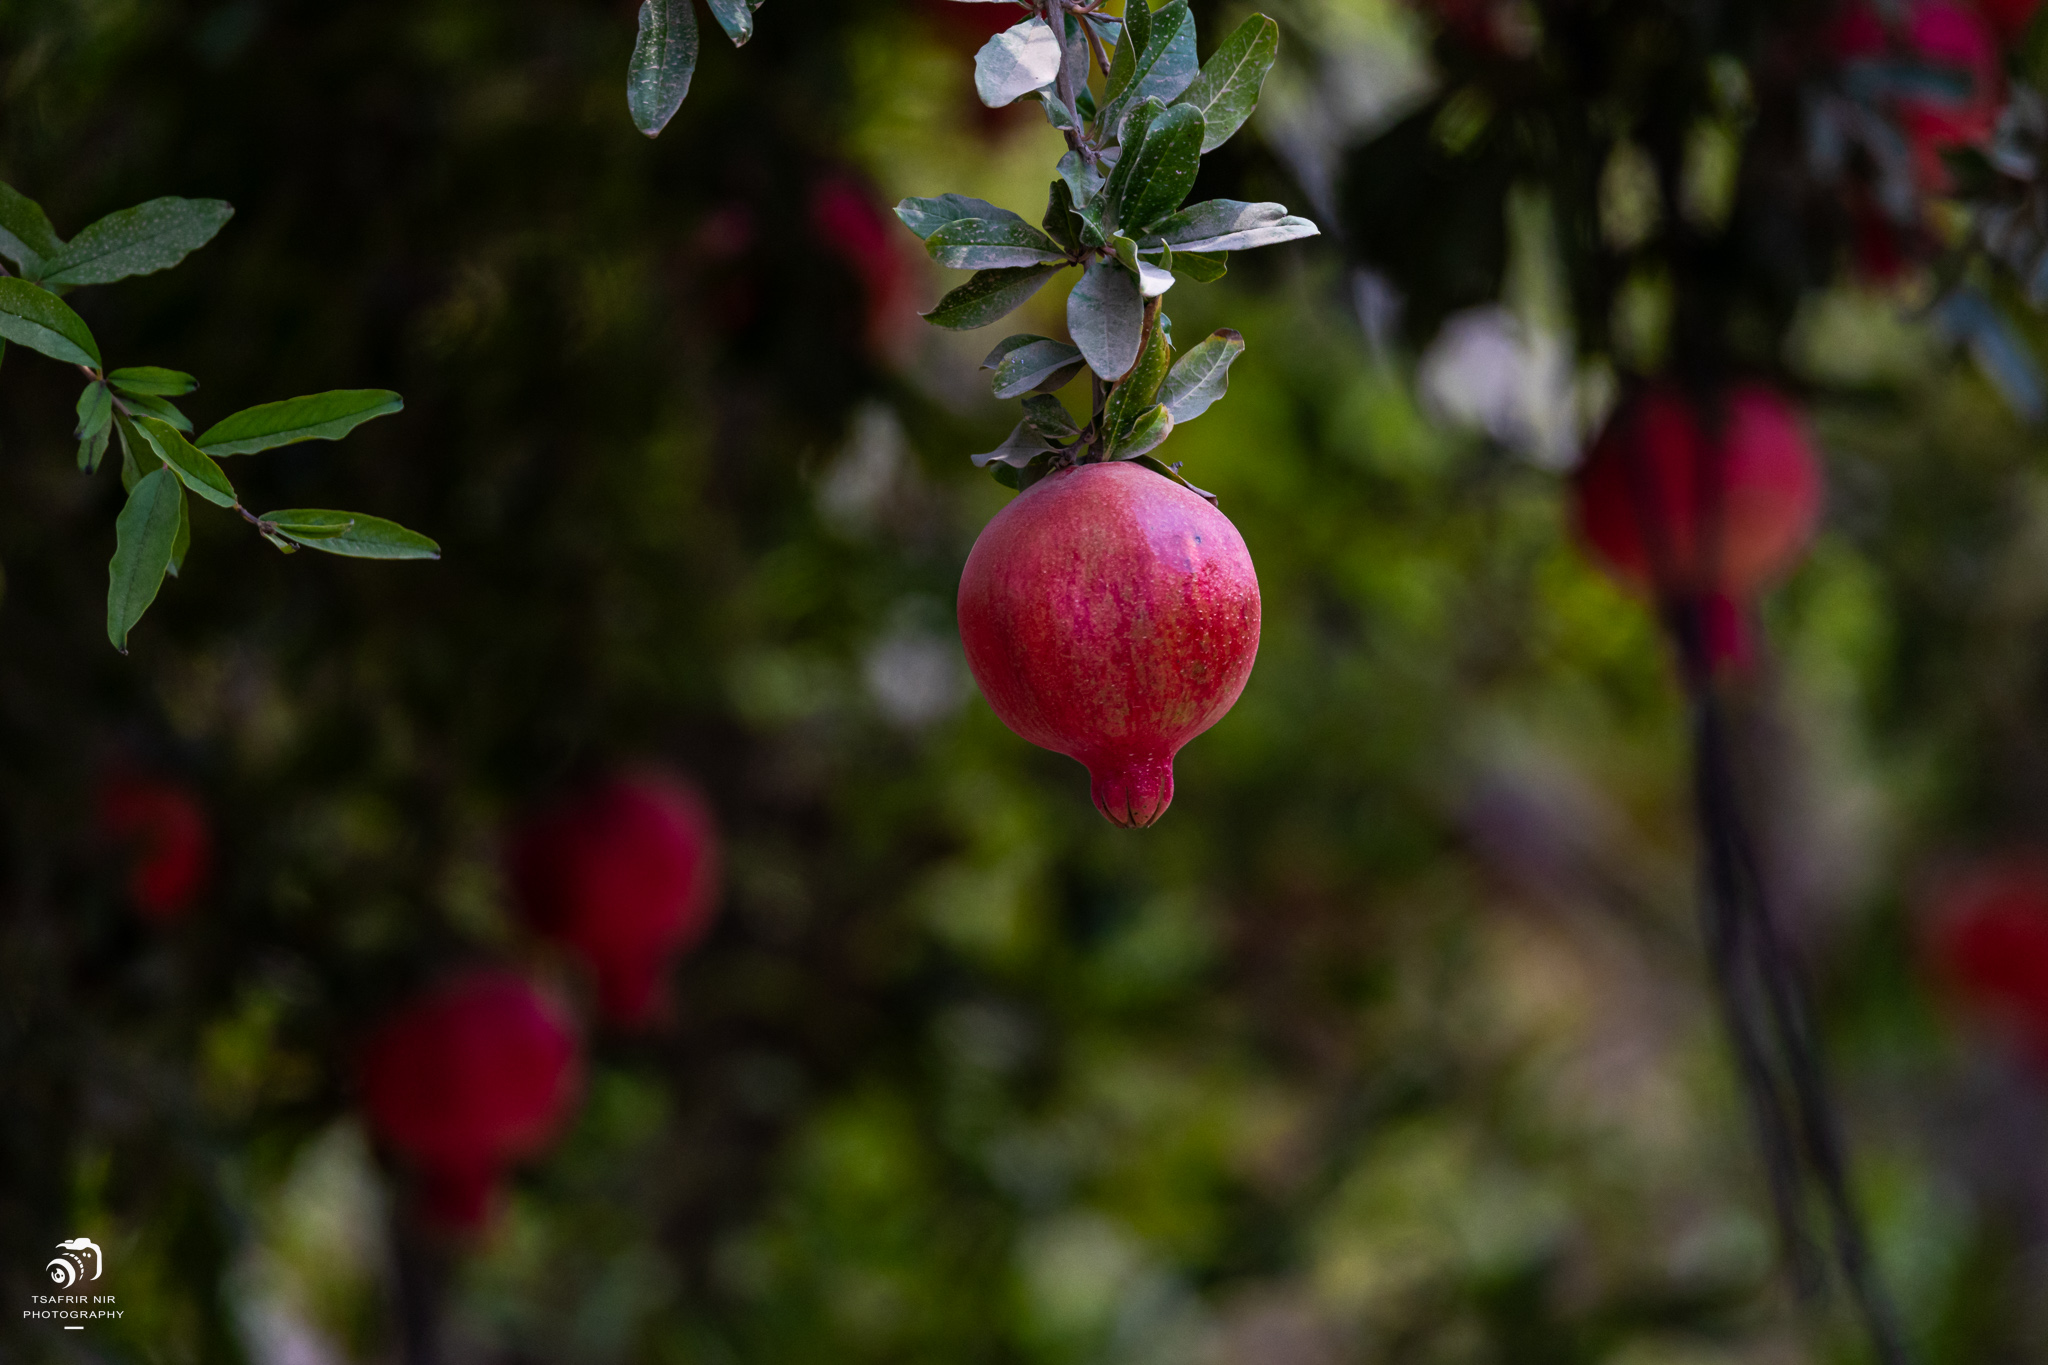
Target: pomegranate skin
[
  {"x": 1111, "y": 615},
  {"x": 625, "y": 875},
  {"x": 1732, "y": 538},
  {"x": 1991, "y": 943},
  {"x": 465, "y": 1080},
  {"x": 172, "y": 841}
]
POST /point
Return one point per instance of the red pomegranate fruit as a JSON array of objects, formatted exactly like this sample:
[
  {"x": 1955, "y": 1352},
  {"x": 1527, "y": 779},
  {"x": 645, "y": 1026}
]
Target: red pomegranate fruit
[
  {"x": 1677, "y": 503},
  {"x": 1990, "y": 938},
  {"x": 624, "y": 874},
  {"x": 1111, "y": 615},
  {"x": 468, "y": 1079},
  {"x": 171, "y": 838}
]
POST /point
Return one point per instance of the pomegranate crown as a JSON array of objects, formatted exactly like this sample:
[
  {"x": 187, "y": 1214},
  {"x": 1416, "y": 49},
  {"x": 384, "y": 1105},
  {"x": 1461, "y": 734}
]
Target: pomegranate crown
[{"x": 1138, "y": 112}]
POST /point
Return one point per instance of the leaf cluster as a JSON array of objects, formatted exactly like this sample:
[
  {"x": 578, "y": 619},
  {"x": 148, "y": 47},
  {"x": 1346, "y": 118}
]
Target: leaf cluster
[
  {"x": 1139, "y": 112},
  {"x": 161, "y": 457}
]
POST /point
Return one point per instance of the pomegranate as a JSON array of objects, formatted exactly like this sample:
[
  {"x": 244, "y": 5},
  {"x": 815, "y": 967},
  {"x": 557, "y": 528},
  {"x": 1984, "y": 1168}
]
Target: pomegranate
[
  {"x": 469, "y": 1078},
  {"x": 1111, "y": 615},
  {"x": 172, "y": 840},
  {"x": 1991, "y": 942},
  {"x": 1670, "y": 509},
  {"x": 1957, "y": 44},
  {"x": 626, "y": 876}
]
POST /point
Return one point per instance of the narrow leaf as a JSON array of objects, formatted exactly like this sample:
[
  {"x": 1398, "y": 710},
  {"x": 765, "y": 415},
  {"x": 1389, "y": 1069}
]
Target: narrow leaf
[
  {"x": 1147, "y": 434},
  {"x": 1230, "y": 225},
  {"x": 1172, "y": 471},
  {"x": 1106, "y": 316},
  {"x": 1139, "y": 391},
  {"x": 926, "y": 216},
  {"x": 193, "y": 466},
  {"x": 144, "y": 535},
  {"x": 43, "y": 322},
  {"x": 1016, "y": 62},
  {"x": 1228, "y": 89},
  {"x": 1041, "y": 366},
  {"x": 93, "y": 449},
  {"x": 1203, "y": 267},
  {"x": 26, "y": 237},
  {"x": 992, "y": 244},
  {"x": 1201, "y": 376},
  {"x": 664, "y": 59},
  {"x": 316, "y": 417},
  {"x": 1059, "y": 216},
  {"x": 1051, "y": 418},
  {"x": 95, "y": 411},
  {"x": 736, "y": 17},
  {"x": 144, "y": 404},
  {"x": 990, "y": 296},
  {"x": 1023, "y": 445},
  {"x": 139, "y": 241},
  {"x": 182, "y": 543},
  {"x": 1123, "y": 66},
  {"x": 352, "y": 534},
  {"x": 152, "y": 379}
]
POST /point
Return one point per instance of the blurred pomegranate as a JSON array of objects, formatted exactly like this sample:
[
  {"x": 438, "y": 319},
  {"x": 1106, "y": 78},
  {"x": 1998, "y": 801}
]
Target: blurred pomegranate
[
  {"x": 466, "y": 1080},
  {"x": 1673, "y": 510},
  {"x": 1990, "y": 938},
  {"x": 626, "y": 875},
  {"x": 1111, "y": 615},
  {"x": 171, "y": 840},
  {"x": 969, "y": 25}
]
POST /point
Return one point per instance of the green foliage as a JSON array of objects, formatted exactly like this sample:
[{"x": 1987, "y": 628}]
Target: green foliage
[
  {"x": 665, "y": 55},
  {"x": 1133, "y": 155},
  {"x": 153, "y": 531}
]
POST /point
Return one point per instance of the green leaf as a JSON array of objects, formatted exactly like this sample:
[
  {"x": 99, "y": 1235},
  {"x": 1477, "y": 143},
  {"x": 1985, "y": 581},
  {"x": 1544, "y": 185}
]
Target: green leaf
[
  {"x": 194, "y": 467},
  {"x": 145, "y": 534},
  {"x": 1059, "y": 216},
  {"x": 1123, "y": 66},
  {"x": 1024, "y": 444},
  {"x": 316, "y": 417},
  {"x": 992, "y": 244},
  {"x": 1157, "y": 176},
  {"x": 95, "y": 411},
  {"x": 1172, "y": 471},
  {"x": 1228, "y": 89},
  {"x": 1136, "y": 395},
  {"x": 664, "y": 59},
  {"x": 926, "y": 216},
  {"x": 352, "y": 534},
  {"x": 1146, "y": 434},
  {"x": 139, "y": 241},
  {"x": 1106, "y": 316},
  {"x": 93, "y": 449},
  {"x": 149, "y": 405},
  {"x": 736, "y": 17},
  {"x": 26, "y": 237},
  {"x": 1051, "y": 417},
  {"x": 1083, "y": 177},
  {"x": 990, "y": 296},
  {"x": 1162, "y": 70},
  {"x": 1016, "y": 62},
  {"x": 131, "y": 443},
  {"x": 1136, "y": 129},
  {"x": 1230, "y": 225},
  {"x": 43, "y": 322},
  {"x": 1039, "y": 365},
  {"x": 182, "y": 543},
  {"x": 152, "y": 380},
  {"x": 1201, "y": 376},
  {"x": 1202, "y": 267}
]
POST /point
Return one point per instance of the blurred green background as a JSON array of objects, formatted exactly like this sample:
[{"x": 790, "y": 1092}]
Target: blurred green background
[{"x": 1390, "y": 1043}]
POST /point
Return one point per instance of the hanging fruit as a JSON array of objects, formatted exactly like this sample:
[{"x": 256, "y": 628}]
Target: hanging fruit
[
  {"x": 625, "y": 875},
  {"x": 1991, "y": 944},
  {"x": 170, "y": 838},
  {"x": 1111, "y": 615},
  {"x": 1680, "y": 513},
  {"x": 467, "y": 1080}
]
